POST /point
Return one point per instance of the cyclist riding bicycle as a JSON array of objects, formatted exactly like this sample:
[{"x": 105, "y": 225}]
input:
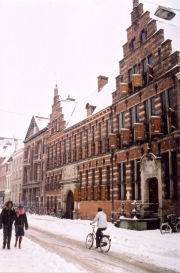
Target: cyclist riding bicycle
[{"x": 101, "y": 220}]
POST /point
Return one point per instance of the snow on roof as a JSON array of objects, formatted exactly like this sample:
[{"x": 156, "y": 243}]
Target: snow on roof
[
  {"x": 8, "y": 146},
  {"x": 41, "y": 122},
  {"x": 100, "y": 99}
]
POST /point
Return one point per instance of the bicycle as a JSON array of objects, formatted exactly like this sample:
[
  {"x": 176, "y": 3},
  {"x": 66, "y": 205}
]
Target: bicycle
[
  {"x": 172, "y": 224},
  {"x": 105, "y": 241}
]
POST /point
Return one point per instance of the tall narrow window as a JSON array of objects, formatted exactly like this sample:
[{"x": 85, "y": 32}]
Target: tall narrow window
[
  {"x": 123, "y": 119},
  {"x": 146, "y": 106},
  {"x": 174, "y": 173},
  {"x": 133, "y": 44},
  {"x": 138, "y": 181},
  {"x": 132, "y": 117},
  {"x": 100, "y": 182},
  {"x": 87, "y": 182},
  {"x": 80, "y": 182},
  {"x": 165, "y": 168},
  {"x": 81, "y": 139},
  {"x": 75, "y": 141},
  {"x": 87, "y": 136},
  {"x": 153, "y": 112},
  {"x": 143, "y": 36},
  {"x": 108, "y": 182},
  {"x": 119, "y": 181},
  {"x": 164, "y": 112},
  {"x": 124, "y": 180},
  {"x": 107, "y": 127},
  {"x": 130, "y": 72},
  {"x": 170, "y": 99},
  {"x": 137, "y": 113},
  {"x": 144, "y": 66},
  {"x": 93, "y": 182},
  {"x": 132, "y": 180},
  {"x": 100, "y": 131},
  {"x": 135, "y": 69},
  {"x": 93, "y": 134},
  {"x": 150, "y": 60}
]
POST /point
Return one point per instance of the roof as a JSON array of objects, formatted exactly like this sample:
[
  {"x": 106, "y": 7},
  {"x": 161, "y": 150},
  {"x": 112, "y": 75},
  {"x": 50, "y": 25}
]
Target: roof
[
  {"x": 8, "y": 146},
  {"x": 74, "y": 112},
  {"x": 41, "y": 122}
]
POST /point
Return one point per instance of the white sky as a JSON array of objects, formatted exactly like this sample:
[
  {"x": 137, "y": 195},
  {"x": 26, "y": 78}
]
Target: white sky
[{"x": 69, "y": 42}]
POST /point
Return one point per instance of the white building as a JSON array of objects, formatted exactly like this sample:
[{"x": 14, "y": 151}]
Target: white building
[{"x": 17, "y": 176}]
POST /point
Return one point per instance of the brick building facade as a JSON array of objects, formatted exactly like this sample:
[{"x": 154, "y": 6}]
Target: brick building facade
[
  {"x": 34, "y": 165},
  {"x": 129, "y": 149}
]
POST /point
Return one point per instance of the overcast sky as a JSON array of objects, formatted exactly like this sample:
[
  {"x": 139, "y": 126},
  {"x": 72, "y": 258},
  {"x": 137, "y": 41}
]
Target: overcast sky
[{"x": 70, "y": 42}]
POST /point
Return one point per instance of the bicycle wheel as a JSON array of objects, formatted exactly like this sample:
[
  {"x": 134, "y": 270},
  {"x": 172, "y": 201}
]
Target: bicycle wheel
[
  {"x": 165, "y": 228},
  {"x": 89, "y": 240},
  {"x": 105, "y": 243},
  {"x": 178, "y": 227}
]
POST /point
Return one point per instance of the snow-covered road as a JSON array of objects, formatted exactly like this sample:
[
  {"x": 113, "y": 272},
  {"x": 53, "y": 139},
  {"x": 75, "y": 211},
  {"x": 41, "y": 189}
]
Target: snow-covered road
[
  {"x": 75, "y": 252},
  {"x": 131, "y": 251}
]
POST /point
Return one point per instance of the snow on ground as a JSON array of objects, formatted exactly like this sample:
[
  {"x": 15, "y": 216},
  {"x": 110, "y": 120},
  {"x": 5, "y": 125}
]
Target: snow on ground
[
  {"x": 32, "y": 258},
  {"x": 147, "y": 246}
]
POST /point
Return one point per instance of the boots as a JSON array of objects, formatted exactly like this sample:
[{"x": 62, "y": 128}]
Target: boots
[
  {"x": 16, "y": 242},
  {"x": 20, "y": 240}
]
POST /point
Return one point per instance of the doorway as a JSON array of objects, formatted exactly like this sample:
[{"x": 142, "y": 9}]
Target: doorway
[
  {"x": 153, "y": 194},
  {"x": 70, "y": 205}
]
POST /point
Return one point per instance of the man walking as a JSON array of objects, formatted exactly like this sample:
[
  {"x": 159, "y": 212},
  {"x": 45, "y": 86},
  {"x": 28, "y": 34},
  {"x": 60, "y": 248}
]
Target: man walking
[
  {"x": 101, "y": 220},
  {"x": 8, "y": 216}
]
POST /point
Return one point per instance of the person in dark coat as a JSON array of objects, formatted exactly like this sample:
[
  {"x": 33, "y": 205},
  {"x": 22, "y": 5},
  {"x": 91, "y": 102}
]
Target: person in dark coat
[
  {"x": 20, "y": 222},
  {"x": 7, "y": 218}
]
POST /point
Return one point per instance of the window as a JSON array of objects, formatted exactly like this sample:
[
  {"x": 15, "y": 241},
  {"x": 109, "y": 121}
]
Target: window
[
  {"x": 87, "y": 136},
  {"x": 170, "y": 99},
  {"x": 150, "y": 60},
  {"x": 123, "y": 119},
  {"x": 132, "y": 117},
  {"x": 124, "y": 180},
  {"x": 135, "y": 69},
  {"x": 87, "y": 185},
  {"x": 93, "y": 134},
  {"x": 119, "y": 182},
  {"x": 133, "y": 44},
  {"x": 132, "y": 180},
  {"x": 107, "y": 127},
  {"x": 146, "y": 106},
  {"x": 174, "y": 173},
  {"x": 144, "y": 66},
  {"x": 93, "y": 181},
  {"x": 130, "y": 73},
  {"x": 165, "y": 168},
  {"x": 108, "y": 182},
  {"x": 138, "y": 179},
  {"x": 81, "y": 139},
  {"x": 143, "y": 36},
  {"x": 137, "y": 113},
  {"x": 153, "y": 112},
  {"x": 100, "y": 131},
  {"x": 100, "y": 182}
]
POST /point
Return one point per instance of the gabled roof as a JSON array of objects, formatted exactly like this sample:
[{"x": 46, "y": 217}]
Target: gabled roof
[
  {"x": 37, "y": 124},
  {"x": 100, "y": 99}
]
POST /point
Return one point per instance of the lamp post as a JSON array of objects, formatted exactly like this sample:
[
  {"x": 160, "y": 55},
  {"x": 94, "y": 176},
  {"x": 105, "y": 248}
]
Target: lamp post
[{"x": 112, "y": 144}]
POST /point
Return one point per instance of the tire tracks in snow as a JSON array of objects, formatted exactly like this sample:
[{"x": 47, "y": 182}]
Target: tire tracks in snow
[{"x": 92, "y": 261}]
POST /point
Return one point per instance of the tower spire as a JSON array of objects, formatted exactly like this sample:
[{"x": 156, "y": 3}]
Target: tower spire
[
  {"x": 135, "y": 3},
  {"x": 56, "y": 95}
]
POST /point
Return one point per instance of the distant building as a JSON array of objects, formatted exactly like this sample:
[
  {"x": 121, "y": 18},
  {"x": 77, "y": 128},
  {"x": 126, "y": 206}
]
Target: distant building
[
  {"x": 121, "y": 143},
  {"x": 17, "y": 176},
  {"x": 34, "y": 162}
]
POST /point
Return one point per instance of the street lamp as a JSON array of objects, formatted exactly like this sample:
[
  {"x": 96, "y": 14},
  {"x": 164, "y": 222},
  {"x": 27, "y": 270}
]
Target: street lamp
[
  {"x": 165, "y": 13},
  {"x": 112, "y": 145}
]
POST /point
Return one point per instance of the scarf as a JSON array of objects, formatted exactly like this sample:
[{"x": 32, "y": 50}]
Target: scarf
[{"x": 20, "y": 212}]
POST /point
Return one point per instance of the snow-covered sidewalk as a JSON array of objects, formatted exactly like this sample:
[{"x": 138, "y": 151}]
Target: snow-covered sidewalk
[
  {"x": 146, "y": 246},
  {"x": 32, "y": 258}
]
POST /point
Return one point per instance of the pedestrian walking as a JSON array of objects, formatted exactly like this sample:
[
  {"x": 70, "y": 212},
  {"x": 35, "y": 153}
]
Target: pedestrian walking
[
  {"x": 7, "y": 218},
  {"x": 20, "y": 223}
]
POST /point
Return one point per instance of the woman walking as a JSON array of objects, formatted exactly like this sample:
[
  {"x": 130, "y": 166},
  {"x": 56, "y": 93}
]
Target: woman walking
[{"x": 20, "y": 222}]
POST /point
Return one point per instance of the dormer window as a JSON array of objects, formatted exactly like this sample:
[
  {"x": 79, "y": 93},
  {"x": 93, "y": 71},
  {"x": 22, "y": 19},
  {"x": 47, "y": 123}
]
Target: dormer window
[
  {"x": 143, "y": 36},
  {"x": 133, "y": 44}
]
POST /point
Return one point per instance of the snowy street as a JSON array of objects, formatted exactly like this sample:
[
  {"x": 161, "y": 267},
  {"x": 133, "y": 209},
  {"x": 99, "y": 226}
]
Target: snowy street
[{"x": 58, "y": 245}]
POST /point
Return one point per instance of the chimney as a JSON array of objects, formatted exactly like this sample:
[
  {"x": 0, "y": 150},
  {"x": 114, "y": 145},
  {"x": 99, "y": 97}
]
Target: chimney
[
  {"x": 56, "y": 95},
  {"x": 135, "y": 3},
  {"x": 90, "y": 109},
  {"x": 102, "y": 81}
]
